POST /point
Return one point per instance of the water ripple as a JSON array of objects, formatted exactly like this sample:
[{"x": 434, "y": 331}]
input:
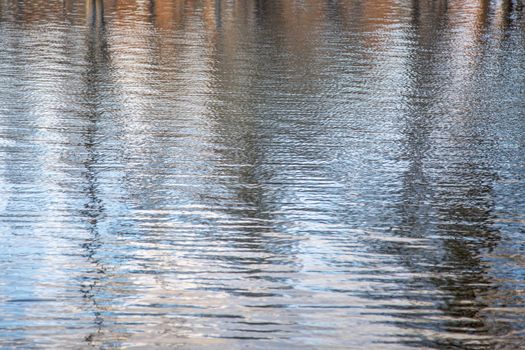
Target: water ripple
[{"x": 262, "y": 174}]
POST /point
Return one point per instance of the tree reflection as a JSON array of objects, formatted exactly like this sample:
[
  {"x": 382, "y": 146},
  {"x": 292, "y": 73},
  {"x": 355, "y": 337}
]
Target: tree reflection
[
  {"x": 97, "y": 58},
  {"x": 447, "y": 199}
]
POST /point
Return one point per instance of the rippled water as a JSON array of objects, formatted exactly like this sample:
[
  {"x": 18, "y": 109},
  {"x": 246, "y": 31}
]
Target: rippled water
[{"x": 258, "y": 174}]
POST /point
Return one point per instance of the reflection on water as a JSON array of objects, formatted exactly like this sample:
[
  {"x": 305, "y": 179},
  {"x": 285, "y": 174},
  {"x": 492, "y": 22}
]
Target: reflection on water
[{"x": 262, "y": 174}]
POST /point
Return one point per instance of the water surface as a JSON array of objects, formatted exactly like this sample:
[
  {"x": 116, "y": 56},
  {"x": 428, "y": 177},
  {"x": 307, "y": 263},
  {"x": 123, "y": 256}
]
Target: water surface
[{"x": 336, "y": 174}]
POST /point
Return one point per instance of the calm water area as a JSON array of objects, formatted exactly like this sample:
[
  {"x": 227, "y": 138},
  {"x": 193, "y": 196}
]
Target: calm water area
[{"x": 262, "y": 174}]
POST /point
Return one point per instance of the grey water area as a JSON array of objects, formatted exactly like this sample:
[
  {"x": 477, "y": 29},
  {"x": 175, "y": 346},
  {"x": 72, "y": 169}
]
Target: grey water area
[{"x": 257, "y": 174}]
